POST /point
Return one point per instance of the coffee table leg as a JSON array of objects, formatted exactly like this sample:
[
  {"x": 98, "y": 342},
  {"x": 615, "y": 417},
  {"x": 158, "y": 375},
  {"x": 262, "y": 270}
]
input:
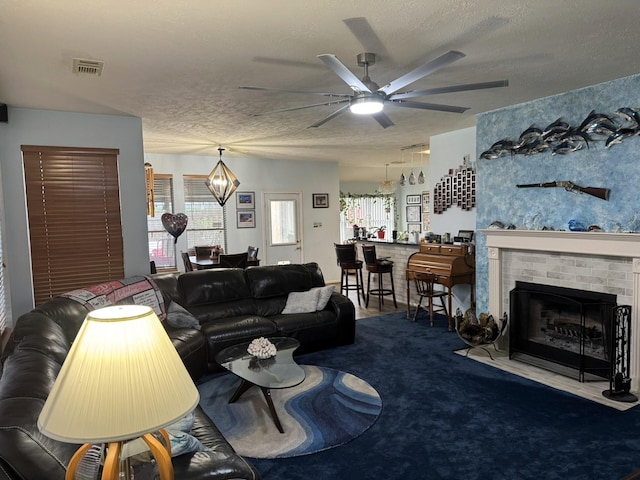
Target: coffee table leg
[
  {"x": 244, "y": 386},
  {"x": 267, "y": 396}
]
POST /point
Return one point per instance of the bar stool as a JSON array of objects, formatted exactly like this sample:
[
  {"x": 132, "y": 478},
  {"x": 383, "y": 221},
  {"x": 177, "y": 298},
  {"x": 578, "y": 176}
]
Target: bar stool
[
  {"x": 379, "y": 266},
  {"x": 425, "y": 287},
  {"x": 346, "y": 254}
]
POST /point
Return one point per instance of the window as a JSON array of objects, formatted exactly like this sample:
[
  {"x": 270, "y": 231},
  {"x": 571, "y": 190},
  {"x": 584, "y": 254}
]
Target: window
[
  {"x": 162, "y": 248},
  {"x": 207, "y": 220},
  {"x": 73, "y": 208},
  {"x": 368, "y": 211},
  {"x": 283, "y": 222}
]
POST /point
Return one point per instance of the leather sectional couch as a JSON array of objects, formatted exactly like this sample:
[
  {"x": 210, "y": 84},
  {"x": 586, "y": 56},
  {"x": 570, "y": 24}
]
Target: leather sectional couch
[{"x": 231, "y": 306}]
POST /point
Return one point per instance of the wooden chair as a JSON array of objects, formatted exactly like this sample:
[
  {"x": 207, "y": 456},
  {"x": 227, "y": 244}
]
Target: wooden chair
[
  {"x": 233, "y": 260},
  {"x": 380, "y": 267},
  {"x": 203, "y": 251},
  {"x": 188, "y": 267},
  {"x": 346, "y": 255},
  {"x": 425, "y": 286},
  {"x": 252, "y": 253}
]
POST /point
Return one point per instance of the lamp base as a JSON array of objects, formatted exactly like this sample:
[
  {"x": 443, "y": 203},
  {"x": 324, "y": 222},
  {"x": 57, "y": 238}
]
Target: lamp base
[{"x": 112, "y": 464}]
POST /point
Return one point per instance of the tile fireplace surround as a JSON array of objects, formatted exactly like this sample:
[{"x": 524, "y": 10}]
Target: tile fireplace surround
[{"x": 595, "y": 261}]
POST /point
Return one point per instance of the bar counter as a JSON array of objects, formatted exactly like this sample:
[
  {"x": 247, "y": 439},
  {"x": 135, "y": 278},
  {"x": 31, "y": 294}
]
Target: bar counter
[{"x": 399, "y": 251}]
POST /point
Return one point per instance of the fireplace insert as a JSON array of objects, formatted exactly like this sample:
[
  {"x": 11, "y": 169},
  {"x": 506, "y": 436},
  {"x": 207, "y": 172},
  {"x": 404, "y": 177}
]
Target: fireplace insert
[{"x": 562, "y": 329}]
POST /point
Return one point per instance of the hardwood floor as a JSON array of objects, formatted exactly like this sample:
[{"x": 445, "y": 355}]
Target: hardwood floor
[{"x": 372, "y": 310}]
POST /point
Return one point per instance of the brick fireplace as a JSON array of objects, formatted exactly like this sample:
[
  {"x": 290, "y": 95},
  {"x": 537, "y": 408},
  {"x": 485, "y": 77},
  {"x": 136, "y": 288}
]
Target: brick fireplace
[{"x": 595, "y": 261}]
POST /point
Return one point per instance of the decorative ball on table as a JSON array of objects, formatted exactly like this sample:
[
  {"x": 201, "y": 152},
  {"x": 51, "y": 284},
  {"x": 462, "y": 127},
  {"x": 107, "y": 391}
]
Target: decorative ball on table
[{"x": 261, "y": 348}]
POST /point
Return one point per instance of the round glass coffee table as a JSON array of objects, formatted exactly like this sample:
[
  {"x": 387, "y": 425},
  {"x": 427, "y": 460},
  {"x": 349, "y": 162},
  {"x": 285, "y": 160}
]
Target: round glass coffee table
[{"x": 279, "y": 371}]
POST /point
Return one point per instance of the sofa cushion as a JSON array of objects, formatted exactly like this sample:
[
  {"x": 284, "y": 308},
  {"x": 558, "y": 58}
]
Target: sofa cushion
[
  {"x": 308, "y": 328},
  {"x": 179, "y": 317},
  {"x": 208, "y": 287},
  {"x": 302, "y": 302},
  {"x": 317, "y": 279},
  {"x": 278, "y": 280},
  {"x": 233, "y": 330},
  {"x": 265, "y": 307},
  {"x": 38, "y": 332}
]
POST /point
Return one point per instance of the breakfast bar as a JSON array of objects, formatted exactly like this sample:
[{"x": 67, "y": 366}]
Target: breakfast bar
[{"x": 460, "y": 283}]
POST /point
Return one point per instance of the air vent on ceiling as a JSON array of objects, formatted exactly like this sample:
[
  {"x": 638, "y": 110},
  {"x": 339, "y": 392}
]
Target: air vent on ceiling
[{"x": 87, "y": 67}]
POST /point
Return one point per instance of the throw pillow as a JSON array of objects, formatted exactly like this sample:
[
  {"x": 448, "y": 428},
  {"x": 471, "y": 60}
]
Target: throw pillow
[
  {"x": 302, "y": 302},
  {"x": 324, "y": 294},
  {"x": 179, "y": 317}
]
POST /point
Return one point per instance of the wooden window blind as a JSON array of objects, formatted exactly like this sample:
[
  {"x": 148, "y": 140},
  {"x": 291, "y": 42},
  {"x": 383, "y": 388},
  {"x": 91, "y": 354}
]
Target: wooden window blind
[
  {"x": 207, "y": 220},
  {"x": 4, "y": 304},
  {"x": 162, "y": 249},
  {"x": 73, "y": 204}
]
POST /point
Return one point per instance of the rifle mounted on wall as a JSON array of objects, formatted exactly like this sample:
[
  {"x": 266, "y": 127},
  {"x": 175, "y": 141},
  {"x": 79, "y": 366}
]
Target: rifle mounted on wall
[{"x": 602, "y": 193}]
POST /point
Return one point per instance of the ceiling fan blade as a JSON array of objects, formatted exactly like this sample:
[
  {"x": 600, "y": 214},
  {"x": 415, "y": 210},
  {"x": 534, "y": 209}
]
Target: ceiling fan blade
[
  {"x": 329, "y": 117},
  {"x": 453, "y": 88},
  {"x": 383, "y": 120},
  {"x": 282, "y": 90},
  {"x": 343, "y": 72},
  {"x": 337, "y": 102},
  {"x": 426, "y": 106},
  {"x": 429, "y": 67}
]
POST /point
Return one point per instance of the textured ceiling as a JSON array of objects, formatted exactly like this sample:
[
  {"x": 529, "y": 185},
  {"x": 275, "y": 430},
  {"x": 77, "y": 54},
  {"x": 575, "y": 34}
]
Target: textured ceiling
[{"x": 177, "y": 64}]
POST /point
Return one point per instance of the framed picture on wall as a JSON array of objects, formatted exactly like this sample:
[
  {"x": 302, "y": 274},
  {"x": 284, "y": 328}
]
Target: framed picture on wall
[
  {"x": 413, "y": 199},
  {"x": 246, "y": 219},
  {"x": 413, "y": 213},
  {"x": 245, "y": 200},
  {"x": 320, "y": 200},
  {"x": 414, "y": 227}
]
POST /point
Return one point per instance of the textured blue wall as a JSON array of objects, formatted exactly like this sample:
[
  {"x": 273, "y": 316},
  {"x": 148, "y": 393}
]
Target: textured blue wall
[{"x": 616, "y": 168}]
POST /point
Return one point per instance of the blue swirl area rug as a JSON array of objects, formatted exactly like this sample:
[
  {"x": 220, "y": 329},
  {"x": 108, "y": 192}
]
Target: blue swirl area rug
[{"x": 328, "y": 409}]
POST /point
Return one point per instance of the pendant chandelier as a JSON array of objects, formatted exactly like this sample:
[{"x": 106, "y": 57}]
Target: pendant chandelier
[
  {"x": 421, "y": 176},
  {"x": 388, "y": 186},
  {"x": 221, "y": 181},
  {"x": 412, "y": 177}
]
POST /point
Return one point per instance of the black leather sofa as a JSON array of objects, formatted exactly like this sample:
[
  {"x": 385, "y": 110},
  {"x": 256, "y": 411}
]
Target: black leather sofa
[{"x": 232, "y": 306}]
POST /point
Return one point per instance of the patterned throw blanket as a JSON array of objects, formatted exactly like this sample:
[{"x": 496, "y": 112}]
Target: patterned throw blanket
[{"x": 137, "y": 290}]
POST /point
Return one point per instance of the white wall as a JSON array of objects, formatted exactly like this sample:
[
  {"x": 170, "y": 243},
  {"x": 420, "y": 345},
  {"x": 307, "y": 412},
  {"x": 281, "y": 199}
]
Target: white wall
[
  {"x": 261, "y": 175},
  {"x": 50, "y": 128},
  {"x": 448, "y": 151}
]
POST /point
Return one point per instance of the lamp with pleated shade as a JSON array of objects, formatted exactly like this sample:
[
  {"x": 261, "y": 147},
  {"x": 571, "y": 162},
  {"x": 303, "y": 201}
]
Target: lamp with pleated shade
[{"x": 122, "y": 379}]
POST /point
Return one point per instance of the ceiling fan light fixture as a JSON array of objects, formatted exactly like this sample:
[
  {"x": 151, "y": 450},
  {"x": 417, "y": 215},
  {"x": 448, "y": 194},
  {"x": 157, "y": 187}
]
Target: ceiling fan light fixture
[
  {"x": 221, "y": 182},
  {"x": 366, "y": 104}
]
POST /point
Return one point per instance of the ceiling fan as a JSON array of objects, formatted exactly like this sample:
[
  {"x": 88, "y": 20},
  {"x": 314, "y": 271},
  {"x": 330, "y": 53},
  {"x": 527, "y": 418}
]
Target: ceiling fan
[{"x": 369, "y": 98}]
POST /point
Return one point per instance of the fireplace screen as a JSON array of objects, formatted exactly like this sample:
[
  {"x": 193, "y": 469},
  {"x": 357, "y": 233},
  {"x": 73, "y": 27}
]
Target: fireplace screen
[{"x": 562, "y": 329}]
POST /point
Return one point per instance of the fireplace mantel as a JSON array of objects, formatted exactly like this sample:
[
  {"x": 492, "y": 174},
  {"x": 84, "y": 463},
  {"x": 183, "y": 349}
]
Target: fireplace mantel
[
  {"x": 600, "y": 244},
  {"x": 586, "y": 243}
]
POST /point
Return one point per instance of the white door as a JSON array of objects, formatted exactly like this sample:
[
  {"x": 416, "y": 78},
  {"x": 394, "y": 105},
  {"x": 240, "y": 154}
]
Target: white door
[{"x": 282, "y": 228}]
